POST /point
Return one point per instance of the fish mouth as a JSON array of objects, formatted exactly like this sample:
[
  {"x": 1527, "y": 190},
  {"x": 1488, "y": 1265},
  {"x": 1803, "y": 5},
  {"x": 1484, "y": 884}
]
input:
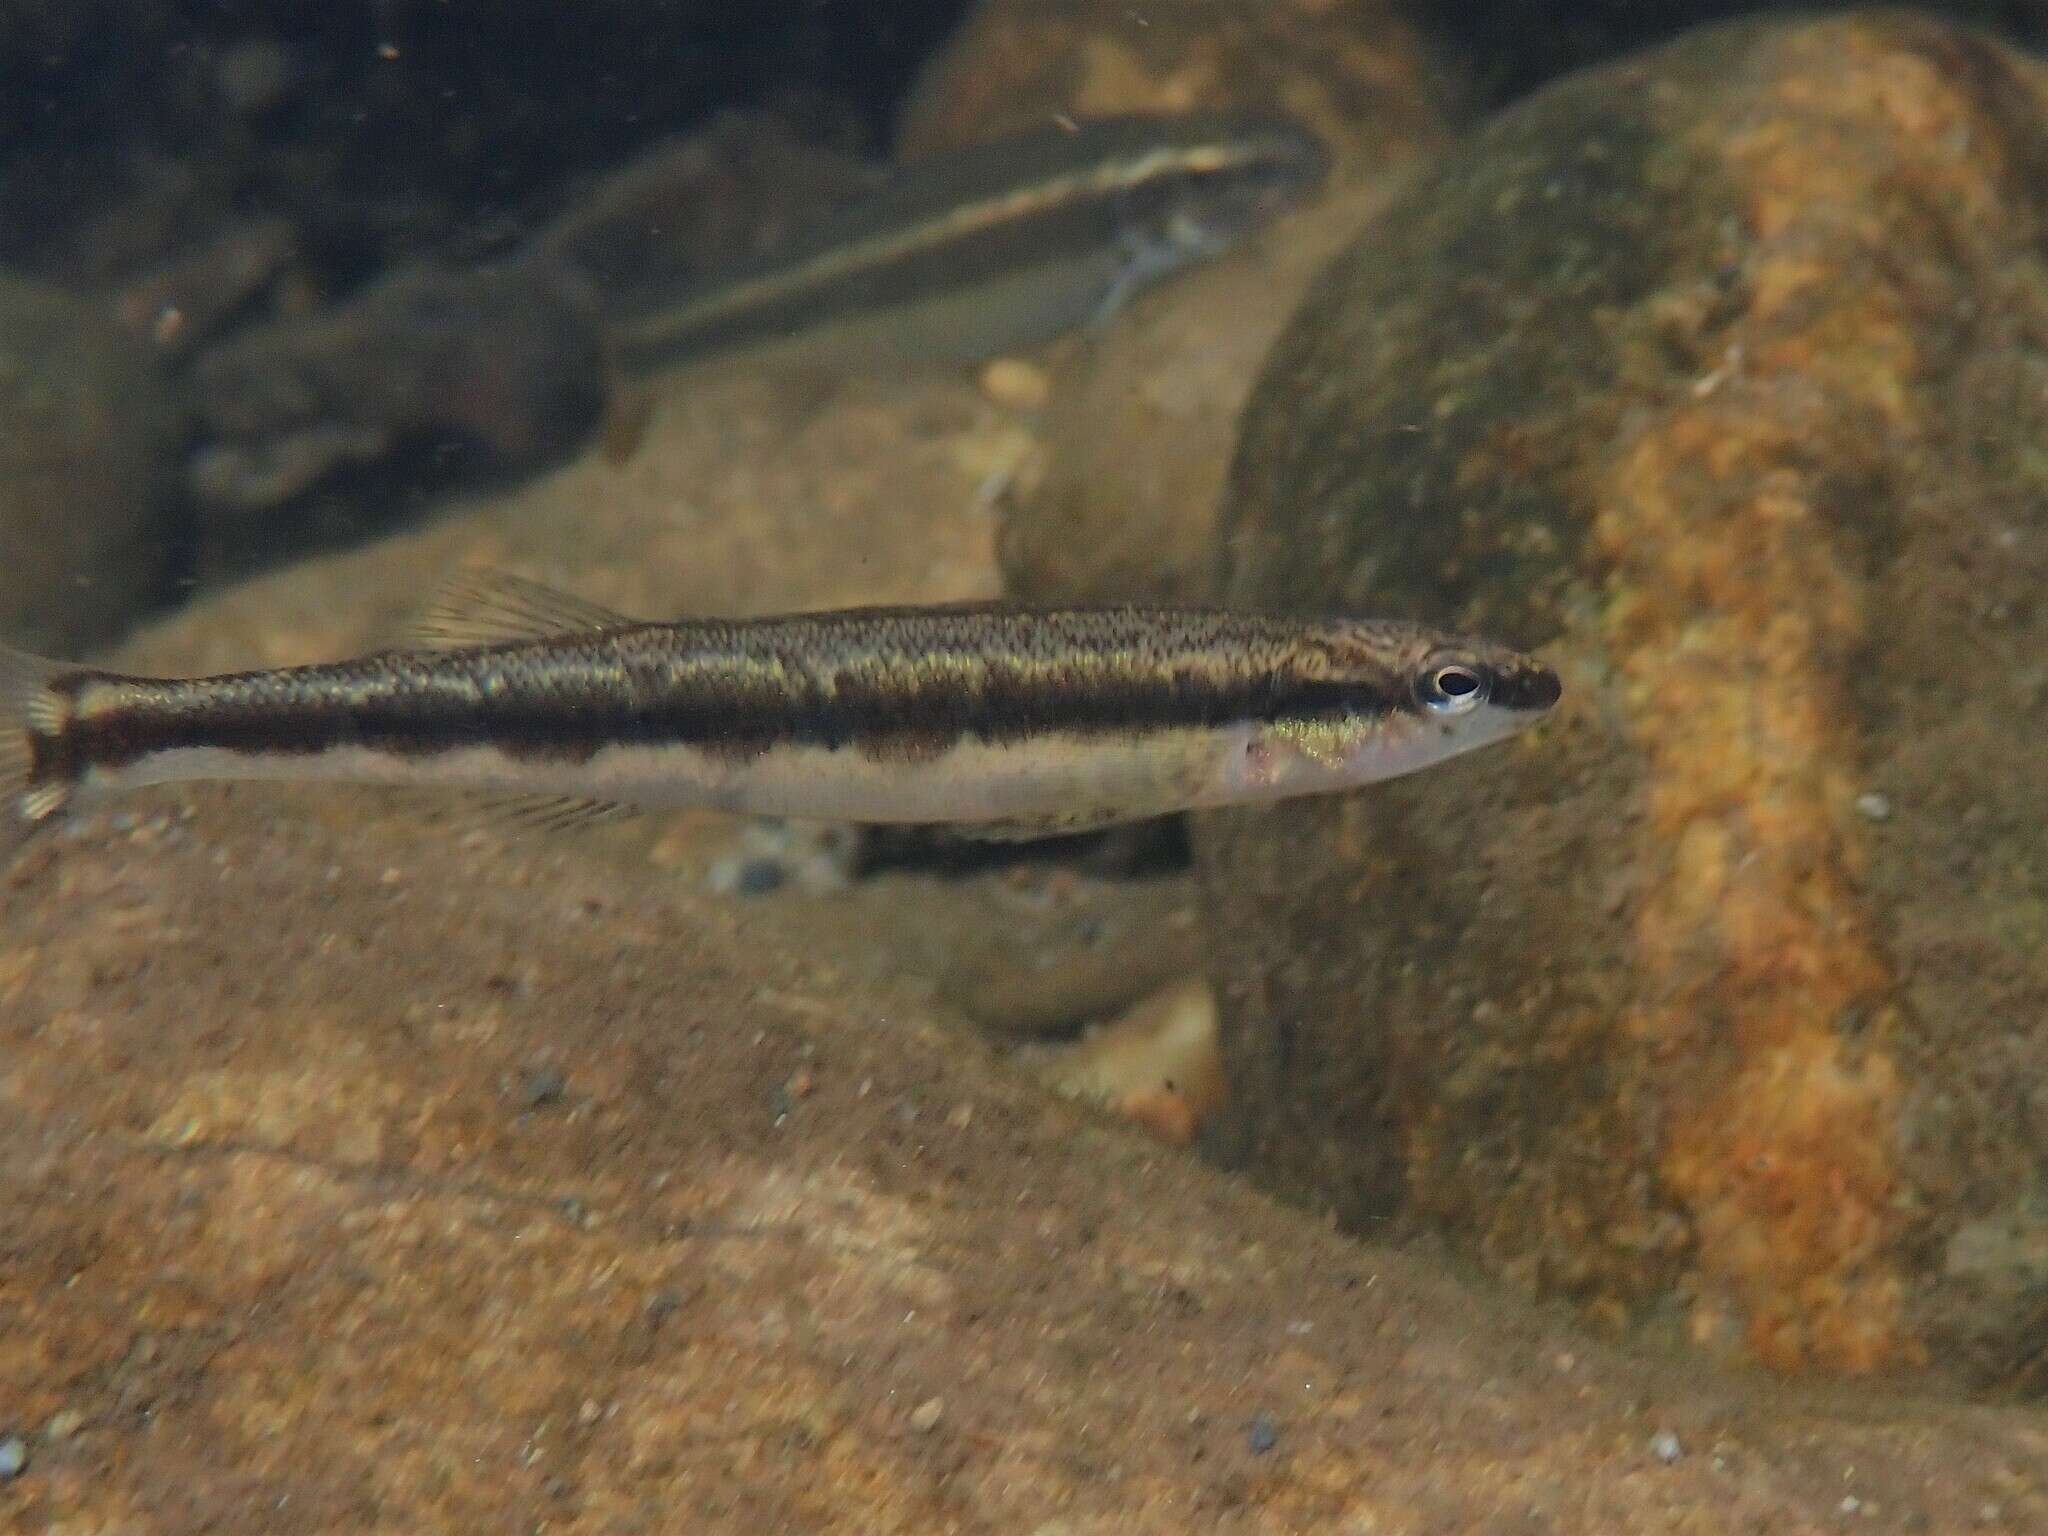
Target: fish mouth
[{"x": 1526, "y": 688}]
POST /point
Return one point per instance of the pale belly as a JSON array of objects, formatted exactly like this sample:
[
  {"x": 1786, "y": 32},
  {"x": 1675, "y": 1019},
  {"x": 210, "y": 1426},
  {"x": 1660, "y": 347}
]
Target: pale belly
[{"x": 1089, "y": 780}]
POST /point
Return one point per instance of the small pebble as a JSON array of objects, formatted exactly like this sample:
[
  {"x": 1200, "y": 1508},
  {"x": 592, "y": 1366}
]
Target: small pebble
[
  {"x": 13, "y": 1456},
  {"x": 771, "y": 856},
  {"x": 1850, "y": 1504},
  {"x": 541, "y": 1086},
  {"x": 1265, "y": 1433},
  {"x": 757, "y": 877},
  {"x": 924, "y": 1418},
  {"x": 1872, "y": 806},
  {"x": 64, "y": 1424},
  {"x": 1665, "y": 1447},
  {"x": 1013, "y": 382}
]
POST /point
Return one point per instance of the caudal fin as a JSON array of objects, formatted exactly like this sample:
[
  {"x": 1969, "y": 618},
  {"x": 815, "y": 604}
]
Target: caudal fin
[{"x": 29, "y": 712}]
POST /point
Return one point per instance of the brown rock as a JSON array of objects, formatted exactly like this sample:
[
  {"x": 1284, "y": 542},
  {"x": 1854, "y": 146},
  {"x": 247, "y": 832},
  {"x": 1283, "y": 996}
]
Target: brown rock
[
  {"x": 1712, "y": 371},
  {"x": 1350, "y": 69},
  {"x": 511, "y": 360},
  {"x": 188, "y": 297},
  {"x": 1136, "y": 443},
  {"x": 86, "y": 428},
  {"x": 1157, "y": 1063}
]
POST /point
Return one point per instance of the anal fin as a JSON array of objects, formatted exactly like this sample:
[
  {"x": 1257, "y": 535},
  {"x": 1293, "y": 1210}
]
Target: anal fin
[
  {"x": 507, "y": 809},
  {"x": 548, "y": 813},
  {"x": 478, "y": 607},
  {"x": 1027, "y": 829}
]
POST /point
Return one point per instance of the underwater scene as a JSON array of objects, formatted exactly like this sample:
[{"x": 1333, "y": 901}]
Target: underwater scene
[{"x": 1023, "y": 766}]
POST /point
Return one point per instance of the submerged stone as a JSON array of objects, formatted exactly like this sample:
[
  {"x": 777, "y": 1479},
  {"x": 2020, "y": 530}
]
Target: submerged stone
[{"x": 1716, "y": 373}]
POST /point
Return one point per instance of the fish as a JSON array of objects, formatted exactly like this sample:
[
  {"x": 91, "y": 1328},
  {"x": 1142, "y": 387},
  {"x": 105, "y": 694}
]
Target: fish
[
  {"x": 968, "y": 253},
  {"x": 1005, "y": 723}
]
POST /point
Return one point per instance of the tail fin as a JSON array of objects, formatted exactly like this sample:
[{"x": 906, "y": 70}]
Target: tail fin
[{"x": 29, "y": 711}]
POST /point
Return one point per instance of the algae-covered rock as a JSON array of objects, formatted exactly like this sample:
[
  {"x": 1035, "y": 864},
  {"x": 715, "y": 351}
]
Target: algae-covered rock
[
  {"x": 85, "y": 427},
  {"x": 1717, "y": 373}
]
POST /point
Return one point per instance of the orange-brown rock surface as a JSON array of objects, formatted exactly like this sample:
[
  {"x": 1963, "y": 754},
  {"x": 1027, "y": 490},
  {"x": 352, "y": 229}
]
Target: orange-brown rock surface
[
  {"x": 1716, "y": 372},
  {"x": 1353, "y": 70}
]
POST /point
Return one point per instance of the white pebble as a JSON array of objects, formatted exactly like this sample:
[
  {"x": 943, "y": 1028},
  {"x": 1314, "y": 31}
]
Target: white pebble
[
  {"x": 1872, "y": 806},
  {"x": 1665, "y": 1447}
]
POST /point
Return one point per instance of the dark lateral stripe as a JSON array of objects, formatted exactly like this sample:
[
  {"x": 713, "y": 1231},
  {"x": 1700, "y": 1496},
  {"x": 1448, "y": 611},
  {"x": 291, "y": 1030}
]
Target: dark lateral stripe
[
  {"x": 792, "y": 298},
  {"x": 567, "y": 701},
  {"x": 975, "y": 215}
]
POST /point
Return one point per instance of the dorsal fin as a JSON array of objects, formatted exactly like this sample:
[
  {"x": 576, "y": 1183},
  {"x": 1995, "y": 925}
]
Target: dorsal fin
[{"x": 488, "y": 607}]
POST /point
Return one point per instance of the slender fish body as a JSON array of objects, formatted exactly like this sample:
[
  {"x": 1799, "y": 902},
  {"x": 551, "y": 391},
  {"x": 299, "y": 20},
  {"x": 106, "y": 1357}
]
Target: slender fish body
[
  {"x": 1000, "y": 244},
  {"x": 1008, "y": 723}
]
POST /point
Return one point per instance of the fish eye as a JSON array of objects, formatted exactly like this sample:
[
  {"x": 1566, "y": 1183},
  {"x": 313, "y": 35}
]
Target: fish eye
[{"x": 1451, "y": 688}]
